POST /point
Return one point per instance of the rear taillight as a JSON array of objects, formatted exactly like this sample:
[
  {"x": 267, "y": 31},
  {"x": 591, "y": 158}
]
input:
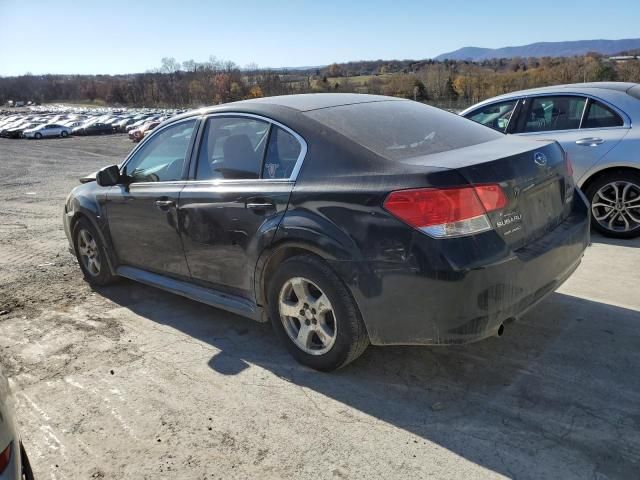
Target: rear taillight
[
  {"x": 448, "y": 212},
  {"x": 5, "y": 458}
]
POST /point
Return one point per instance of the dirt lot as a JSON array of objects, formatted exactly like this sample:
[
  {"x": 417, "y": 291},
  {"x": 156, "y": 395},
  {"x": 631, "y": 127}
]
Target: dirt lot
[{"x": 131, "y": 383}]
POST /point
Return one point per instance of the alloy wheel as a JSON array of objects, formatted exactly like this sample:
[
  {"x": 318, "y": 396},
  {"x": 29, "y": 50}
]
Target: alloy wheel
[
  {"x": 307, "y": 316},
  {"x": 616, "y": 206},
  {"x": 89, "y": 252}
]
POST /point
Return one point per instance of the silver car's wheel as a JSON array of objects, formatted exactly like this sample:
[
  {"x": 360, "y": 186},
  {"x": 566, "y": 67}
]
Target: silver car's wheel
[
  {"x": 307, "y": 316},
  {"x": 63, "y": 133},
  {"x": 89, "y": 252},
  {"x": 616, "y": 206}
]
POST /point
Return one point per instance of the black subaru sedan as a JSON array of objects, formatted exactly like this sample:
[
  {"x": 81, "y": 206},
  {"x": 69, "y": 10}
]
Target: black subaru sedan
[{"x": 343, "y": 219}]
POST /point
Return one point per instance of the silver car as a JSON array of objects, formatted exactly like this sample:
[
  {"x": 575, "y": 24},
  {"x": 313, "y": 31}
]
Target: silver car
[
  {"x": 14, "y": 464},
  {"x": 596, "y": 124},
  {"x": 47, "y": 130}
]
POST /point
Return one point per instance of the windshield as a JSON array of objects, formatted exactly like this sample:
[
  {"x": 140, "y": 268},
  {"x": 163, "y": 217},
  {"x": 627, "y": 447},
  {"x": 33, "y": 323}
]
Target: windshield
[{"x": 398, "y": 130}]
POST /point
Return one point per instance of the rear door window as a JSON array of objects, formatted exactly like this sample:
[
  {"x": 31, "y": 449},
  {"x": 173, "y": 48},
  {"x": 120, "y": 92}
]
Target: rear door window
[
  {"x": 601, "y": 116},
  {"x": 232, "y": 148},
  {"x": 552, "y": 113}
]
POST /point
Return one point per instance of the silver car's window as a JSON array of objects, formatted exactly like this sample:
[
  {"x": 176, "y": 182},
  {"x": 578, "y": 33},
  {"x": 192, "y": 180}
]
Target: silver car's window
[
  {"x": 232, "y": 148},
  {"x": 600, "y": 116},
  {"x": 496, "y": 115},
  {"x": 161, "y": 158},
  {"x": 554, "y": 113}
]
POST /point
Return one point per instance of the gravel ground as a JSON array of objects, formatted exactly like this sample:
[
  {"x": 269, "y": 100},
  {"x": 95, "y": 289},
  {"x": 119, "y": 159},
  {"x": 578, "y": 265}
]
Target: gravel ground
[{"x": 128, "y": 382}]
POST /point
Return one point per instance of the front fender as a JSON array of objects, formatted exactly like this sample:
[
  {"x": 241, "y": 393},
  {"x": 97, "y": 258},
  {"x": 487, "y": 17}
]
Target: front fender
[{"x": 87, "y": 201}]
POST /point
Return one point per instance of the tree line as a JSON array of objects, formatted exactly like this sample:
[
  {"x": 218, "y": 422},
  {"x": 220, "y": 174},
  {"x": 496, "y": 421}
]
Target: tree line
[{"x": 444, "y": 83}]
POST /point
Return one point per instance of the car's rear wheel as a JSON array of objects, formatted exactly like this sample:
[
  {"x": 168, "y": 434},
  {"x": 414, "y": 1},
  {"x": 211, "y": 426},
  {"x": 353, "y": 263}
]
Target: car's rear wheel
[
  {"x": 37, "y": 136},
  {"x": 615, "y": 204},
  {"x": 63, "y": 134},
  {"x": 91, "y": 254},
  {"x": 313, "y": 313}
]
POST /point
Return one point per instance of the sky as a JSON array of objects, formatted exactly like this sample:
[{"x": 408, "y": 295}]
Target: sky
[{"x": 115, "y": 36}]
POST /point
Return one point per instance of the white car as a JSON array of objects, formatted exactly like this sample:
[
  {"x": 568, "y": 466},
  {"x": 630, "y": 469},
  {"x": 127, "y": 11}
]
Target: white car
[
  {"x": 47, "y": 130},
  {"x": 14, "y": 464},
  {"x": 597, "y": 125}
]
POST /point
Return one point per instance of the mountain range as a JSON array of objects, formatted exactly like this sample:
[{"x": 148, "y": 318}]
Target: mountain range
[{"x": 544, "y": 49}]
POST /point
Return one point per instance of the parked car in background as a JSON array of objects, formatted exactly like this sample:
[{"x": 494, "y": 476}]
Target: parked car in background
[
  {"x": 14, "y": 463},
  {"x": 4, "y": 129},
  {"x": 17, "y": 132},
  {"x": 93, "y": 129},
  {"x": 345, "y": 219},
  {"x": 597, "y": 125},
  {"x": 47, "y": 130},
  {"x": 122, "y": 124},
  {"x": 138, "y": 134}
]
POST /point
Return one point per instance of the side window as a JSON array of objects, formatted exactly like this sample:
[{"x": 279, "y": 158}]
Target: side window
[
  {"x": 232, "y": 148},
  {"x": 601, "y": 116},
  {"x": 496, "y": 115},
  {"x": 162, "y": 157},
  {"x": 554, "y": 113},
  {"x": 282, "y": 154}
]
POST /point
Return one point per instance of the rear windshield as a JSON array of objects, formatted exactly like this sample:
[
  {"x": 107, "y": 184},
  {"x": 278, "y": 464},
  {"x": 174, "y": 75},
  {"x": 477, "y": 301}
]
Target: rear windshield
[{"x": 402, "y": 129}]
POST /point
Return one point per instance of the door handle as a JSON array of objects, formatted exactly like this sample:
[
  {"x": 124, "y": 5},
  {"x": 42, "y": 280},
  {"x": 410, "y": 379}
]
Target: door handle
[
  {"x": 165, "y": 204},
  {"x": 260, "y": 206},
  {"x": 590, "y": 142}
]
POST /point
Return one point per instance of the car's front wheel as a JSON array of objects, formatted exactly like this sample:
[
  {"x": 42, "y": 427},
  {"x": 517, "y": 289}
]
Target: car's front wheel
[
  {"x": 91, "y": 254},
  {"x": 63, "y": 133},
  {"x": 615, "y": 204},
  {"x": 38, "y": 136},
  {"x": 315, "y": 316}
]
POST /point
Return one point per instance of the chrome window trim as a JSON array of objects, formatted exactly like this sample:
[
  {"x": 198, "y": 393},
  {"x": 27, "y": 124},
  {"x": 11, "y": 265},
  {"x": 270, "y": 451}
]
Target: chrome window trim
[
  {"x": 296, "y": 169},
  {"x": 584, "y": 112}
]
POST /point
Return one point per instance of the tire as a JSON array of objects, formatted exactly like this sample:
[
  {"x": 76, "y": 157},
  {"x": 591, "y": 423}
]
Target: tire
[
  {"x": 63, "y": 134},
  {"x": 27, "y": 472},
  {"x": 37, "y": 136},
  {"x": 341, "y": 326},
  {"x": 91, "y": 254},
  {"x": 609, "y": 209}
]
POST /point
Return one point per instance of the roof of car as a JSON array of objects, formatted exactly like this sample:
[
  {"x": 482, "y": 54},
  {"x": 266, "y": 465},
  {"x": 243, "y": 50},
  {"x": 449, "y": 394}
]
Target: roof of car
[
  {"x": 607, "y": 90},
  {"x": 575, "y": 87},
  {"x": 315, "y": 101},
  {"x": 297, "y": 103},
  {"x": 618, "y": 86}
]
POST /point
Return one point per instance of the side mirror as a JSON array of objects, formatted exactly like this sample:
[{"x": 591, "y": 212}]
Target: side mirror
[{"x": 108, "y": 176}]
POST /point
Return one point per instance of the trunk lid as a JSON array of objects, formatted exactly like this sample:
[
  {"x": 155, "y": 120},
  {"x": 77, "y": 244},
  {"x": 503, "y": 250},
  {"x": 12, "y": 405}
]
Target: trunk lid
[{"x": 533, "y": 175}]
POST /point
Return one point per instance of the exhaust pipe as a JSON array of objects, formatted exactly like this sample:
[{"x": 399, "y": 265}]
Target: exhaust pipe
[{"x": 500, "y": 331}]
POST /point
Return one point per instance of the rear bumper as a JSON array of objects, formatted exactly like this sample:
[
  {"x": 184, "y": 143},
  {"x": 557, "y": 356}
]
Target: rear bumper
[{"x": 466, "y": 289}]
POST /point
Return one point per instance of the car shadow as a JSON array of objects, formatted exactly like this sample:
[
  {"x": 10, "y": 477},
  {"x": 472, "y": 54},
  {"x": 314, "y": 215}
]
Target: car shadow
[{"x": 556, "y": 396}]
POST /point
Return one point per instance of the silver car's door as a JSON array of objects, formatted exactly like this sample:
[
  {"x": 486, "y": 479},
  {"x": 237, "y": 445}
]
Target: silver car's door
[{"x": 586, "y": 128}]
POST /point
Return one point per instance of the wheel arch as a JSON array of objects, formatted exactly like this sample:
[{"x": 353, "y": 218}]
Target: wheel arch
[
  {"x": 272, "y": 257},
  {"x": 82, "y": 214},
  {"x": 586, "y": 183}
]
